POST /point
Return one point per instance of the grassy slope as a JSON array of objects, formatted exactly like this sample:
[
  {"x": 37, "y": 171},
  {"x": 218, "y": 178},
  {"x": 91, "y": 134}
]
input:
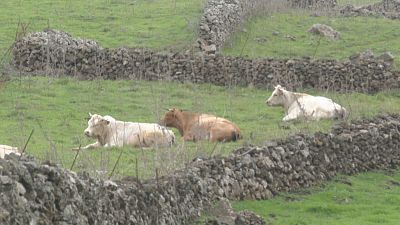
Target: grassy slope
[
  {"x": 57, "y": 109},
  {"x": 357, "y": 34},
  {"x": 368, "y": 198},
  {"x": 114, "y": 23},
  {"x": 371, "y": 199}
]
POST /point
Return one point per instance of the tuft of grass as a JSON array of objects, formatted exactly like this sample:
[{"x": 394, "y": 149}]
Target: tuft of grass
[
  {"x": 367, "y": 198},
  {"x": 113, "y": 23},
  {"x": 57, "y": 107},
  {"x": 285, "y": 35}
]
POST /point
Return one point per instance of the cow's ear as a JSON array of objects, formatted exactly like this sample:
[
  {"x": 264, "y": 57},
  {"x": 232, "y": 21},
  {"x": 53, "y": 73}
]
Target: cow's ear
[
  {"x": 279, "y": 91},
  {"x": 105, "y": 121},
  {"x": 90, "y": 114}
]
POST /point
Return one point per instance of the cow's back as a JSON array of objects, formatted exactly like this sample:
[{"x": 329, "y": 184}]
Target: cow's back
[
  {"x": 319, "y": 107},
  {"x": 206, "y": 118},
  {"x": 144, "y": 126},
  {"x": 147, "y": 133},
  {"x": 219, "y": 129},
  {"x": 327, "y": 104},
  {"x": 5, "y": 150}
]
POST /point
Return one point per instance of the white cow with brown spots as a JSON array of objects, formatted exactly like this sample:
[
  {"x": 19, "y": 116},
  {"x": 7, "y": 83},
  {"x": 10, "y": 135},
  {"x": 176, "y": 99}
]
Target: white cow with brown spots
[
  {"x": 300, "y": 105},
  {"x": 110, "y": 132}
]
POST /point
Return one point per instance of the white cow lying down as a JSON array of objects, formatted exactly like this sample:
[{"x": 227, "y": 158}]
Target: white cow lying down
[
  {"x": 5, "y": 150},
  {"x": 299, "y": 105},
  {"x": 110, "y": 132}
]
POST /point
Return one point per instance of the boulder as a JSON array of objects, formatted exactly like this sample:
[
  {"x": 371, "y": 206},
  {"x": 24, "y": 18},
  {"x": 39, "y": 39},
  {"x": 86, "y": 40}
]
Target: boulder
[{"x": 324, "y": 30}]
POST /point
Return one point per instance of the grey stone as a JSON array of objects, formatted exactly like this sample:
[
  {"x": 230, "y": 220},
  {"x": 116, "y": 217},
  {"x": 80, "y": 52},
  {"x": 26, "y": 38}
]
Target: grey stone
[
  {"x": 324, "y": 30},
  {"x": 305, "y": 152},
  {"x": 20, "y": 189},
  {"x": 5, "y": 180},
  {"x": 386, "y": 57}
]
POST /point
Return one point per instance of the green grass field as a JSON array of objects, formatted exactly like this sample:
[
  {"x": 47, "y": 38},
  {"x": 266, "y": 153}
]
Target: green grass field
[
  {"x": 113, "y": 23},
  {"x": 367, "y": 198},
  {"x": 56, "y": 108},
  {"x": 293, "y": 40}
]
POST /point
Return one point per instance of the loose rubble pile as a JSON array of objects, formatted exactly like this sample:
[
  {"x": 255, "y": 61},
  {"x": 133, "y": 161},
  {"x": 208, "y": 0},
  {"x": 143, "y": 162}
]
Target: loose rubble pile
[
  {"x": 221, "y": 213},
  {"x": 33, "y": 193},
  {"x": 85, "y": 59},
  {"x": 386, "y": 8},
  {"x": 55, "y": 47},
  {"x": 387, "y": 57}
]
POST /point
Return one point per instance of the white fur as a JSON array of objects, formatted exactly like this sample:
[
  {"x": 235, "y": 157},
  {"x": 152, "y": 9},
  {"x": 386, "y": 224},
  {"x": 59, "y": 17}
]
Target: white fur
[
  {"x": 299, "y": 105},
  {"x": 110, "y": 132},
  {"x": 5, "y": 150}
]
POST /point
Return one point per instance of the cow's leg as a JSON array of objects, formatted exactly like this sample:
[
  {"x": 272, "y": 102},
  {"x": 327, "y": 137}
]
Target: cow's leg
[
  {"x": 291, "y": 116},
  {"x": 218, "y": 134},
  {"x": 91, "y": 146},
  {"x": 294, "y": 114},
  {"x": 188, "y": 137}
]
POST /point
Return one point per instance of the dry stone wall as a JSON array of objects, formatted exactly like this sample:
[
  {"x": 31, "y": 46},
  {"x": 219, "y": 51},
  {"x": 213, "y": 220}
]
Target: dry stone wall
[
  {"x": 33, "y": 193},
  {"x": 221, "y": 18},
  {"x": 56, "y": 53},
  {"x": 313, "y": 4},
  {"x": 386, "y": 8}
]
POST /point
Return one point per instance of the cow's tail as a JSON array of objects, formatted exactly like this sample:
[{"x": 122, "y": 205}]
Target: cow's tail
[{"x": 236, "y": 135}]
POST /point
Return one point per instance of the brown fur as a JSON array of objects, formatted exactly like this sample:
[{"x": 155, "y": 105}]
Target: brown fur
[{"x": 194, "y": 126}]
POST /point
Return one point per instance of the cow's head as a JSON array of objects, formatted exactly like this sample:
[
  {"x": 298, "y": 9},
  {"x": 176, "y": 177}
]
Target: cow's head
[
  {"x": 277, "y": 97},
  {"x": 96, "y": 125},
  {"x": 170, "y": 118}
]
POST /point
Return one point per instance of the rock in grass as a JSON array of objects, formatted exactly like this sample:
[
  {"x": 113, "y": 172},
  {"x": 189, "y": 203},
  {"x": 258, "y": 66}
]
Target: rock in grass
[{"x": 325, "y": 31}]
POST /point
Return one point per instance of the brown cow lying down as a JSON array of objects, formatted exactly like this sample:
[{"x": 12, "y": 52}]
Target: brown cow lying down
[
  {"x": 194, "y": 126},
  {"x": 5, "y": 150},
  {"x": 110, "y": 132}
]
